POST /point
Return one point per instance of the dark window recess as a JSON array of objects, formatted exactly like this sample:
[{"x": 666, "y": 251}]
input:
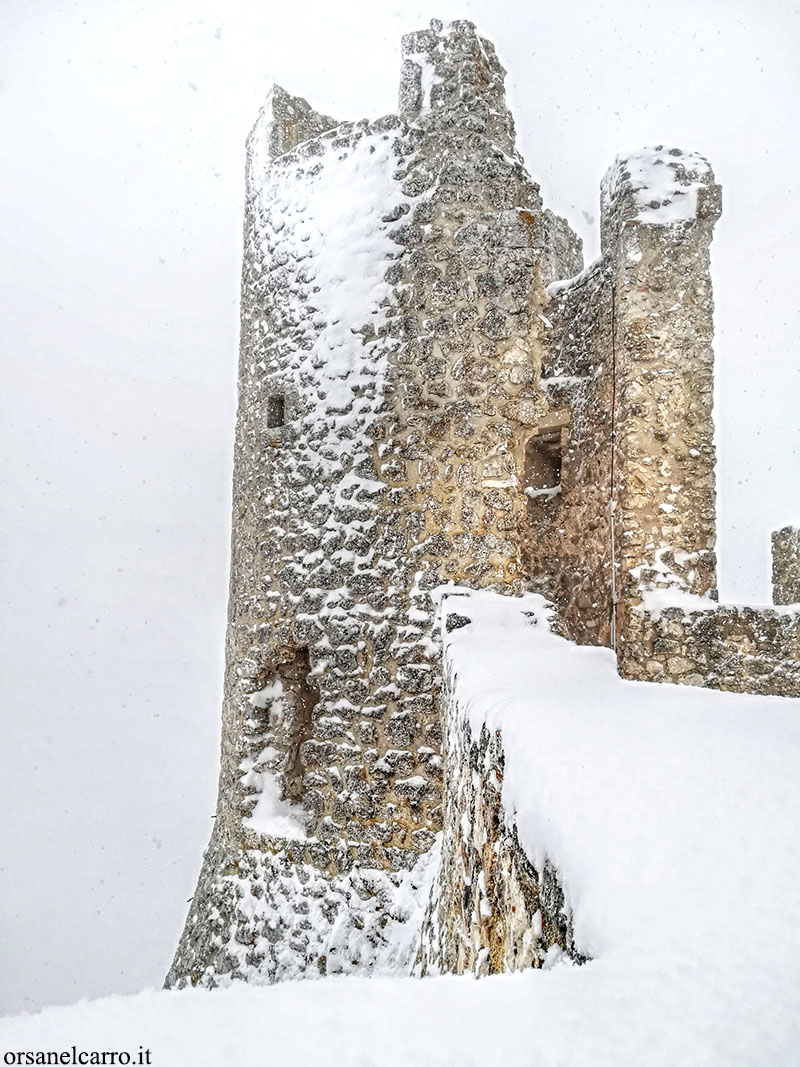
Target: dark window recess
[
  {"x": 543, "y": 461},
  {"x": 276, "y": 409},
  {"x": 301, "y": 697}
]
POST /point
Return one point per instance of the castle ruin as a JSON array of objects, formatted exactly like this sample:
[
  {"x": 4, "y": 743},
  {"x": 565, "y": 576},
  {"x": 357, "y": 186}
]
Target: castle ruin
[{"x": 433, "y": 390}]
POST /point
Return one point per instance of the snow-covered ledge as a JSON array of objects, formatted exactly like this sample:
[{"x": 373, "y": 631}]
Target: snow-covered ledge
[
  {"x": 493, "y": 907},
  {"x": 673, "y": 635},
  {"x": 667, "y": 814}
]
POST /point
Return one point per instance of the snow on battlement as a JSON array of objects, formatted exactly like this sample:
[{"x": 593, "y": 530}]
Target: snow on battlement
[{"x": 657, "y": 186}]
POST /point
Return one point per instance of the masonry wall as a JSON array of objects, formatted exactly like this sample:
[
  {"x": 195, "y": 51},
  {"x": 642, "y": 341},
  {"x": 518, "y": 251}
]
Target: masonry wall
[
  {"x": 656, "y": 233},
  {"x": 406, "y": 380},
  {"x": 379, "y": 451},
  {"x": 569, "y": 540},
  {"x": 786, "y": 565},
  {"x": 658, "y": 214},
  {"x": 490, "y": 910},
  {"x": 630, "y": 535},
  {"x": 731, "y": 647}
]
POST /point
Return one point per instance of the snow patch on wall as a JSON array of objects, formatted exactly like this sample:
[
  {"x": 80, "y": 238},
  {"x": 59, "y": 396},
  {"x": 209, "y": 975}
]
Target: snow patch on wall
[
  {"x": 326, "y": 219},
  {"x": 664, "y": 182}
]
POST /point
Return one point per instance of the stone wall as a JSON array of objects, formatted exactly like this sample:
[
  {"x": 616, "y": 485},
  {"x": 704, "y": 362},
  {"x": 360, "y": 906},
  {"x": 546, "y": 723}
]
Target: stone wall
[
  {"x": 416, "y": 407},
  {"x": 626, "y": 546},
  {"x": 658, "y": 210},
  {"x": 628, "y": 367},
  {"x": 279, "y": 918},
  {"x": 786, "y": 565},
  {"x": 569, "y": 541},
  {"x": 381, "y": 432},
  {"x": 490, "y": 910},
  {"x": 658, "y": 213},
  {"x": 731, "y": 647}
]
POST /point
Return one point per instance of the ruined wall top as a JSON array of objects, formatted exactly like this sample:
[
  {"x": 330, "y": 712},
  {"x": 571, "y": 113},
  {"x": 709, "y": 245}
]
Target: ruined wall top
[
  {"x": 452, "y": 77},
  {"x": 658, "y": 186},
  {"x": 284, "y": 122},
  {"x": 786, "y": 565}
]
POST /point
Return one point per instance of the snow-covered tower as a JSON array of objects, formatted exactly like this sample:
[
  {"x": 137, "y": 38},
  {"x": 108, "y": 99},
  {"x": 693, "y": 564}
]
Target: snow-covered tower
[
  {"x": 424, "y": 400},
  {"x": 391, "y": 342}
]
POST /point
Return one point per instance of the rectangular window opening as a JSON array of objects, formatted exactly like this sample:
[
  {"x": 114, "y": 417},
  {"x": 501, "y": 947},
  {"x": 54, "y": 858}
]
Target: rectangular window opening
[
  {"x": 543, "y": 457},
  {"x": 276, "y": 411}
]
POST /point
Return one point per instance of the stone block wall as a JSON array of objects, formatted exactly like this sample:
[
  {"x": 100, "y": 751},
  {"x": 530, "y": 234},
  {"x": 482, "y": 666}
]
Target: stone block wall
[
  {"x": 416, "y": 407},
  {"x": 279, "y": 918},
  {"x": 569, "y": 543},
  {"x": 628, "y": 356},
  {"x": 490, "y": 910},
  {"x": 626, "y": 547},
  {"x": 658, "y": 210},
  {"x": 381, "y": 431},
  {"x": 658, "y": 213},
  {"x": 735, "y": 648}
]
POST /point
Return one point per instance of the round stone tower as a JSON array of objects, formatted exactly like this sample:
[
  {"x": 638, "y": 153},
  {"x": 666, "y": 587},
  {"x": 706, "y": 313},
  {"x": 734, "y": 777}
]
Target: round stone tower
[{"x": 391, "y": 339}]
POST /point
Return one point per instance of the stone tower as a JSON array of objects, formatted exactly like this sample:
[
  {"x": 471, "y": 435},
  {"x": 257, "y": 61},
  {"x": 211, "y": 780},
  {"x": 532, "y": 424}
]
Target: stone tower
[
  {"x": 391, "y": 342},
  {"x": 423, "y": 401}
]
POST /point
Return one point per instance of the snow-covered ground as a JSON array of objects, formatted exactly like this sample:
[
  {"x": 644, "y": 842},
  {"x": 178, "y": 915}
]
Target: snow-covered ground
[{"x": 672, "y": 816}]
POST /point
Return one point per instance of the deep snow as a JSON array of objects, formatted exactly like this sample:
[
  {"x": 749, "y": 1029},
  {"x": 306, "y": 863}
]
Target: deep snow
[{"x": 671, "y": 814}]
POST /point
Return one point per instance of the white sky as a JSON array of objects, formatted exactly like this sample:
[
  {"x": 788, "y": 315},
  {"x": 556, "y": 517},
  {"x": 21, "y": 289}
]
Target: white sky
[{"x": 122, "y": 128}]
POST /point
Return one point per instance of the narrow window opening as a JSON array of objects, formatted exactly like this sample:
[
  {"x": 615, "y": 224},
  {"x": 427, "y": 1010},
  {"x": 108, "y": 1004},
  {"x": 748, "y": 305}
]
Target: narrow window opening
[
  {"x": 278, "y": 724},
  {"x": 276, "y": 410},
  {"x": 301, "y": 698},
  {"x": 543, "y": 457}
]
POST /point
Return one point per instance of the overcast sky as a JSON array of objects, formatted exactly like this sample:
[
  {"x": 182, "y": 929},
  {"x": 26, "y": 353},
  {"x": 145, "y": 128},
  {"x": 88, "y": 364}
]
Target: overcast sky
[{"x": 122, "y": 128}]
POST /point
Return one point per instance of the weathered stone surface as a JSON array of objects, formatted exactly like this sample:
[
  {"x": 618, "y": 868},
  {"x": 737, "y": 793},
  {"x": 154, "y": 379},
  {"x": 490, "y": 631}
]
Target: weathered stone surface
[
  {"x": 416, "y": 407},
  {"x": 664, "y": 458},
  {"x": 786, "y": 565},
  {"x": 740, "y": 649},
  {"x": 569, "y": 538},
  {"x": 626, "y": 545},
  {"x": 490, "y": 910},
  {"x": 278, "y": 916},
  {"x": 379, "y": 450}
]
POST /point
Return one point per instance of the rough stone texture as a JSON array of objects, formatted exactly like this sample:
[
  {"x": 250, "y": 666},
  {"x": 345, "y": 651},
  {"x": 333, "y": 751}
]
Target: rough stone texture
[
  {"x": 569, "y": 538},
  {"x": 290, "y": 120},
  {"x": 379, "y": 451},
  {"x": 415, "y": 407},
  {"x": 291, "y": 920},
  {"x": 740, "y": 649},
  {"x": 786, "y": 565},
  {"x": 490, "y": 910},
  {"x": 664, "y": 459},
  {"x": 626, "y": 547}
]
